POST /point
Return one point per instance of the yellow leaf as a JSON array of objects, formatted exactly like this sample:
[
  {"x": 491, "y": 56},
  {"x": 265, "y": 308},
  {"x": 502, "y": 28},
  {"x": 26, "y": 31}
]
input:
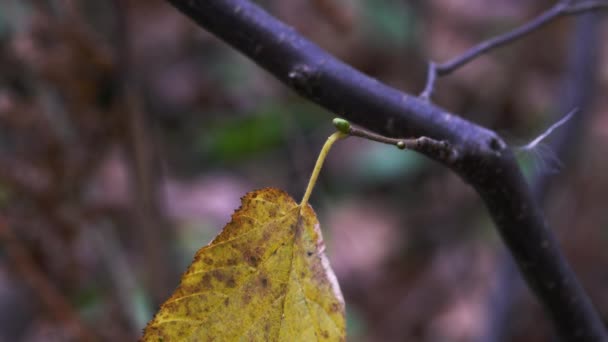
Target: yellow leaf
[{"x": 265, "y": 277}]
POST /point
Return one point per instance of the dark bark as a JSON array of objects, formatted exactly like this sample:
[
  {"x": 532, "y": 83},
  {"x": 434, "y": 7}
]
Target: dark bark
[
  {"x": 480, "y": 156},
  {"x": 579, "y": 87}
]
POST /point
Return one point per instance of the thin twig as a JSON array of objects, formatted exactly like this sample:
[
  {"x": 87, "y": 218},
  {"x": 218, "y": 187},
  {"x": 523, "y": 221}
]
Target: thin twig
[
  {"x": 532, "y": 144},
  {"x": 430, "y": 81},
  {"x": 442, "y": 150},
  {"x": 561, "y": 8}
]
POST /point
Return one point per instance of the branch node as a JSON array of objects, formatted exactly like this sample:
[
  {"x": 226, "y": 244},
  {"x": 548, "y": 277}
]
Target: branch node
[
  {"x": 303, "y": 78},
  {"x": 439, "y": 149},
  {"x": 430, "y": 82}
]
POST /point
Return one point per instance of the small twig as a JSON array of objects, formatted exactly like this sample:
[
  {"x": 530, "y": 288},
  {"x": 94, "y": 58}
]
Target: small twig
[
  {"x": 430, "y": 81},
  {"x": 532, "y": 144},
  {"x": 439, "y": 149},
  {"x": 561, "y": 8}
]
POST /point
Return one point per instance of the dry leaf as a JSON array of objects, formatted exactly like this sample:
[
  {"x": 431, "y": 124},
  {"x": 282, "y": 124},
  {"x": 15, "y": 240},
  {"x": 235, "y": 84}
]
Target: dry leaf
[{"x": 265, "y": 277}]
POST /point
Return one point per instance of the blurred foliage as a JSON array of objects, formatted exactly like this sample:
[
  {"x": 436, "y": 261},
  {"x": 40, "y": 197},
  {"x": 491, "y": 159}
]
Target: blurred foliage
[
  {"x": 232, "y": 138},
  {"x": 241, "y": 138}
]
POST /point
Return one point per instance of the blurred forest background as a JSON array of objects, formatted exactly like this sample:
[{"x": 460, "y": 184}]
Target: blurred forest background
[{"x": 128, "y": 136}]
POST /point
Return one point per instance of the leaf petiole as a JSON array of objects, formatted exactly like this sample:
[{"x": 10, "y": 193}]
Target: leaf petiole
[{"x": 319, "y": 164}]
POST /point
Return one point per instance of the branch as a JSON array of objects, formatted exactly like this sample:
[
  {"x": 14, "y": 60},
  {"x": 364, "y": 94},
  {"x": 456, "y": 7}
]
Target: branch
[
  {"x": 483, "y": 160},
  {"x": 578, "y": 89},
  {"x": 441, "y": 149},
  {"x": 560, "y": 9}
]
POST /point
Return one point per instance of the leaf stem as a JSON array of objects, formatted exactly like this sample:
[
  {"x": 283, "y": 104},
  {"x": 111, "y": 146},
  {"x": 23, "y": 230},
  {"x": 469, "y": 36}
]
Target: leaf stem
[{"x": 315, "y": 172}]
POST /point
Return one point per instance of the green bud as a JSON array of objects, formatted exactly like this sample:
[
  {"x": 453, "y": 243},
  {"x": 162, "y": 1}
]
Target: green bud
[
  {"x": 400, "y": 145},
  {"x": 342, "y": 125}
]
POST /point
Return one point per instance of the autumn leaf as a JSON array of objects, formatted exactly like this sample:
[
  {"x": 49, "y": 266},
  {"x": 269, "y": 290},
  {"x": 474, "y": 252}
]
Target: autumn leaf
[{"x": 265, "y": 277}]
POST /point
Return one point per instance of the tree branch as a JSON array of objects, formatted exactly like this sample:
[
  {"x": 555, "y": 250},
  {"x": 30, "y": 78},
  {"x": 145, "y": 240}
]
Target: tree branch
[
  {"x": 560, "y": 9},
  {"x": 440, "y": 149},
  {"x": 578, "y": 88},
  {"x": 482, "y": 159}
]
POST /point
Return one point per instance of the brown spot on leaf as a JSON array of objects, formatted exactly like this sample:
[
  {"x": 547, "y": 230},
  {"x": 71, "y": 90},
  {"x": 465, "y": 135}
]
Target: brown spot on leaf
[
  {"x": 252, "y": 260},
  {"x": 208, "y": 261},
  {"x": 246, "y": 298},
  {"x": 226, "y": 301},
  {"x": 253, "y": 257},
  {"x": 231, "y": 283},
  {"x": 206, "y": 281},
  {"x": 272, "y": 213},
  {"x": 219, "y": 275}
]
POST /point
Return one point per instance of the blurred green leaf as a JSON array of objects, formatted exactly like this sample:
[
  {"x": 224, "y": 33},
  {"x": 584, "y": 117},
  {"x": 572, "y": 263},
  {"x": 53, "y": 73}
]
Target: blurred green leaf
[
  {"x": 234, "y": 139},
  {"x": 264, "y": 128}
]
